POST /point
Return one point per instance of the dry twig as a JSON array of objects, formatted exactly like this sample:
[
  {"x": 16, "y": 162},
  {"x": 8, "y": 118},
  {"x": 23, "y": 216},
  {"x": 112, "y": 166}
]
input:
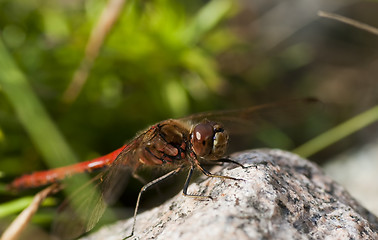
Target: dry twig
[
  {"x": 349, "y": 21},
  {"x": 109, "y": 16},
  {"x": 19, "y": 224}
]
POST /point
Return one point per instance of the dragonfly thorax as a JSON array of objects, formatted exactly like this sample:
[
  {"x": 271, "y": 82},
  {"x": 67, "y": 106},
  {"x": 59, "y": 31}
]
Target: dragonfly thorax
[{"x": 209, "y": 140}]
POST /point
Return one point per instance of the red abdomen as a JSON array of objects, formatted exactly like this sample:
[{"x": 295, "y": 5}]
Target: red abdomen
[{"x": 41, "y": 178}]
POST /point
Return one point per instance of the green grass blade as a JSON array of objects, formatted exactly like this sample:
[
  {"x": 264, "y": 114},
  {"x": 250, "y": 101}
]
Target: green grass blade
[
  {"x": 32, "y": 114},
  {"x": 20, "y": 204},
  {"x": 337, "y": 133}
]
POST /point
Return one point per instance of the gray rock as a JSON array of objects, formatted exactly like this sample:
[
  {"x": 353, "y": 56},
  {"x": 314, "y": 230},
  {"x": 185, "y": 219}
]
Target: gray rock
[
  {"x": 357, "y": 170},
  {"x": 282, "y": 196}
]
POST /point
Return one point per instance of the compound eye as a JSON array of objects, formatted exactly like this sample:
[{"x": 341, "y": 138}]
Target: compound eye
[
  {"x": 202, "y": 139},
  {"x": 220, "y": 142}
]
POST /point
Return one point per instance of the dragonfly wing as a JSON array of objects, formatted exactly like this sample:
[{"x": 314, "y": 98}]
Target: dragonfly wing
[
  {"x": 116, "y": 177},
  {"x": 81, "y": 212},
  {"x": 255, "y": 120},
  {"x": 264, "y": 111},
  {"x": 115, "y": 180}
]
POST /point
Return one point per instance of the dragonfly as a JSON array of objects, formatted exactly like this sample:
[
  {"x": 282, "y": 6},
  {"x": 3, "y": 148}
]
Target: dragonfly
[{"x": 175, "y": 144}]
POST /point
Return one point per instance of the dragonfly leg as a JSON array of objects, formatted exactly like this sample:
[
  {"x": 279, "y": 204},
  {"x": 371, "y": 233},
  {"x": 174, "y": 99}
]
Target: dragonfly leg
[
  {"x": 144, "y": 182},
  {"x": 185, "y": 189},
  {"x": 143, "y": 189},
  {"x": 229, "y": 160},
  {"x": 209, "y": 174}
]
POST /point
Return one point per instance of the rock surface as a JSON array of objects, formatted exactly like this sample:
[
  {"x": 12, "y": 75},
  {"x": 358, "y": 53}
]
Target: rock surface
[
  {"x": 281, "y": 197},
  {"x": 357, "y": 170}
]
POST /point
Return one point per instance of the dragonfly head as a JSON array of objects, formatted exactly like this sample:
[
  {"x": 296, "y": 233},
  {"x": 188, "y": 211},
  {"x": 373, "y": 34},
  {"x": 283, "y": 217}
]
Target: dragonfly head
[{"x": 209, "y": 140}]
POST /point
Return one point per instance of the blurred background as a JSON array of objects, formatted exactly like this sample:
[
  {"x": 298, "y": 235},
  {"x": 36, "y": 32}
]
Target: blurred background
[{"x": 80, "y": 78}]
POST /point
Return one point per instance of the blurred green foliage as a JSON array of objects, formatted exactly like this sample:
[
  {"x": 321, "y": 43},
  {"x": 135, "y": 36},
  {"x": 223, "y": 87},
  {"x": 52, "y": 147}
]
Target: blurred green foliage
[{"x": 157, "y": 61}]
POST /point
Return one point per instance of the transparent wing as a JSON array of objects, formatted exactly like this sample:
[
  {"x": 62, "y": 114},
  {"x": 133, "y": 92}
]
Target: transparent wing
[
  {"x": 246, "y": 124},
  {"x": 81, "y": 211},
  {"x": 264, "y": 112}
]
